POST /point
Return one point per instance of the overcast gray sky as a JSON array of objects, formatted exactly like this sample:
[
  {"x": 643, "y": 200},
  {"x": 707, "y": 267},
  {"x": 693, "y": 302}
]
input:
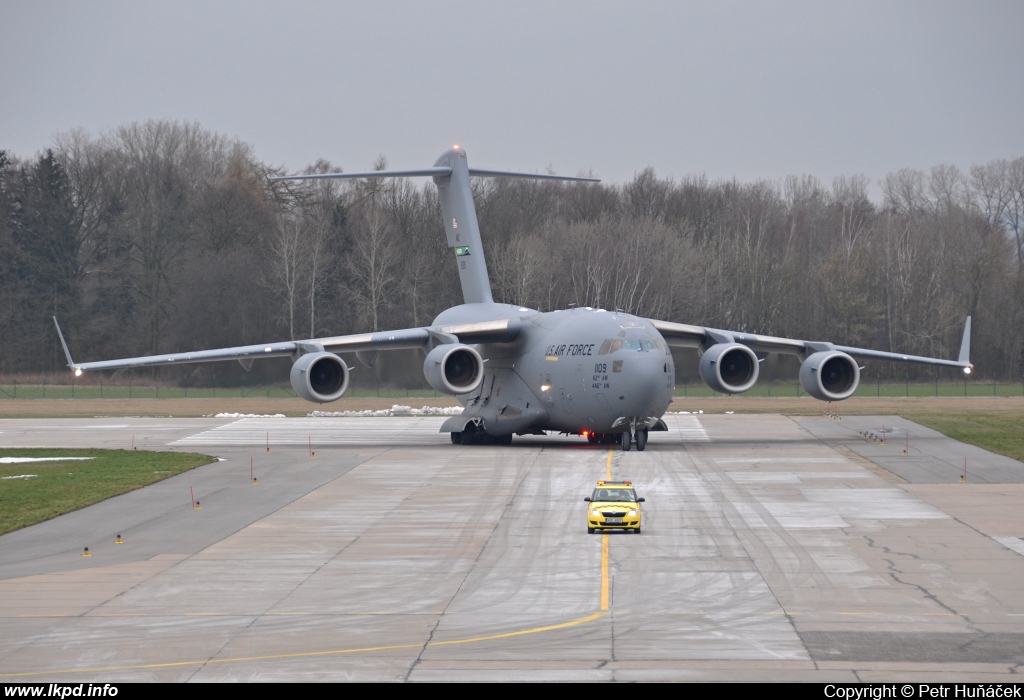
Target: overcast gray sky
[{"x": 734, "y": 89}]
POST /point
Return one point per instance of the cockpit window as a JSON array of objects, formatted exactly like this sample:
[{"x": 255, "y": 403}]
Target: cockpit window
[{"x": 610, "y": 346}]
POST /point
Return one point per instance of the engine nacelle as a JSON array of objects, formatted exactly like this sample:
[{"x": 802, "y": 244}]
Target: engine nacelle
[
  {"x": 454, "y": 369},
  {"x": 729, "y": 368},
  {"x": 830, "y": 376},
  {"x": 320, "y": 377}
]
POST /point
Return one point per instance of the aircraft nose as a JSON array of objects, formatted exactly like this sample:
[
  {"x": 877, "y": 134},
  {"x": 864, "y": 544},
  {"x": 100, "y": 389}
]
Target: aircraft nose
[{"x": 647, "y": 382}]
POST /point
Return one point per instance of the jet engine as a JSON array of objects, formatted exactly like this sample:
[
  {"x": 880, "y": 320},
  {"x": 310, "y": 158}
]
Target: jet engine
[
  {"x": 320, "y": 377},
  {"x": 454, "y": 369},
  {"x": 729, "y": 368},
  {"x": 830, "y": 376}
]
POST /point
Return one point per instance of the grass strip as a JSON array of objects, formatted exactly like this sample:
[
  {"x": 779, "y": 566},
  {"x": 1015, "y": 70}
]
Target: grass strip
[
  {"x": 36, "y": 491},
  {"x": 1002, "y": 433}
]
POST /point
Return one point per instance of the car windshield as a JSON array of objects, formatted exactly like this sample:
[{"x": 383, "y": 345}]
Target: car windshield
[{"x": 620, "y": 495}]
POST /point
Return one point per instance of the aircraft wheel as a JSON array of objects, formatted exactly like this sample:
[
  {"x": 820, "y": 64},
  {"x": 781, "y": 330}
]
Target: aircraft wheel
[
  {"x": 641, "y": 440},
  {"x": 456, "y": 438},
  {"x": 503, "y": 439},
  {"x": 626, "y": 438},
  {"x": 593, "y": 439}
]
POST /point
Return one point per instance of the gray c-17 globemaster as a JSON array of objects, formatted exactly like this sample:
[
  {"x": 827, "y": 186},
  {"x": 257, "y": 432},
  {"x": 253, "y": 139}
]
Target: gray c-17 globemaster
[{"x": 605, "y": 374}]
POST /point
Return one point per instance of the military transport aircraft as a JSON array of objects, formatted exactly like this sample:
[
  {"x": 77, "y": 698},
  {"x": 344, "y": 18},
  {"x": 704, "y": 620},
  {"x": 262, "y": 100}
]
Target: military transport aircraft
[{"x": 601, "y": 373}]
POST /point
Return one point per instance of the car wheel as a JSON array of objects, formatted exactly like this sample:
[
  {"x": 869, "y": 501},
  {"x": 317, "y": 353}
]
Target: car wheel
[
  {"x": 590, "y": 531},
  {"x": 638, "y": 531}
]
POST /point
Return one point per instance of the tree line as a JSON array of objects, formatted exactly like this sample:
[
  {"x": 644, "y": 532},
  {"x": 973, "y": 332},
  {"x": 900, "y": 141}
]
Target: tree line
[{"x": 162, "y": 236}]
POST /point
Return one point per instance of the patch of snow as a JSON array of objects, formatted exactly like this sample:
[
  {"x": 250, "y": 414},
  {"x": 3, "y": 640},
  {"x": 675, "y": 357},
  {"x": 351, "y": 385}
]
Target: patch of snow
[
  {"x": 20, "y": 476},
  {"x": 246, "y": 415},
  {"x": 395, "y": 410}
]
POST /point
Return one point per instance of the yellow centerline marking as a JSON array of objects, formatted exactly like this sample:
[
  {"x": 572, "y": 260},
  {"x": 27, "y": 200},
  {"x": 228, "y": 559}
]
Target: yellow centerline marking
[
  {"x": 604, "y": 541},
  {"x": 604, "y": 571},
  {"x": 333, "y": 652}
]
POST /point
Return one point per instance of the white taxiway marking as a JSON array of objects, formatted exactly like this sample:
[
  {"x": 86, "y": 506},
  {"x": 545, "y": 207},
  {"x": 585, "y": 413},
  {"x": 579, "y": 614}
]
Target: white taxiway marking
[
  {"x": 21, "y": 460},
  {"x": 411, "y": 430}
]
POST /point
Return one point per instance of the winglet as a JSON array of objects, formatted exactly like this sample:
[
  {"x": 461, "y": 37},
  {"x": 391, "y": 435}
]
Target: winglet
[
  {"x": 67, "y": 353},
  {"x": 965, "y": 348}
]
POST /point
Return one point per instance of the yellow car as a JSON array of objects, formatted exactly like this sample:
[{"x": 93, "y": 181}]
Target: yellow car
[{"x": 613, "y": 506}]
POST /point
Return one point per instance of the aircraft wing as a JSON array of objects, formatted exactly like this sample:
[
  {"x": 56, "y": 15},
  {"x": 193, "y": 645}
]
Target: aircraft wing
[
  {"x": 503, "y": 330},
  {"x": 683, "y": 335}
]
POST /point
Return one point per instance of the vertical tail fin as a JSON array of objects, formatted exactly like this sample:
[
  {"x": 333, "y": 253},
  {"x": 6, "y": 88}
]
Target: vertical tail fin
[
  {"x": 451, "y": 174},
  {"x": 462, "y": 227}
]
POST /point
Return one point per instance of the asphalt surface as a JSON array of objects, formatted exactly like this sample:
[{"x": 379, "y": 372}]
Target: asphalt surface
[{"x": 373, "y": 549}]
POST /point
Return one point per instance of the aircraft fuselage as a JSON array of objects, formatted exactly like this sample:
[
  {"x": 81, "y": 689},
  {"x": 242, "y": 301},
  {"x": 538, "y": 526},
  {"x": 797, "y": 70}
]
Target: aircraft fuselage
[{"x": 571, "y": 370}]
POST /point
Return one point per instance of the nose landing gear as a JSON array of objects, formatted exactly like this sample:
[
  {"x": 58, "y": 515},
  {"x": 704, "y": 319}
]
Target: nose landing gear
[{"x": 628, "y": 438}]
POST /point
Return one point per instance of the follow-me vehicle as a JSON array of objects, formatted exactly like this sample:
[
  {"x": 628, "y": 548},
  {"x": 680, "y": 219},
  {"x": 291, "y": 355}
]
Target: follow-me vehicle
[
  {"x": 614, "y": 506},
  {"x": 606, "y": 374}
]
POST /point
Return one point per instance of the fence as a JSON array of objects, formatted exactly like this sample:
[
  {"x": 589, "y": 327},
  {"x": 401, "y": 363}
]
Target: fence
[
  {"x": 973, "y": 386},
  {"x": 65, "y": 386}
]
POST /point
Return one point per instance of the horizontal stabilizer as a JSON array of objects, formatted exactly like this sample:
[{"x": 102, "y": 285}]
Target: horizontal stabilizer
[
  {"x": 476, "y": 172},
  {"x": 422, "y": 172},
  {"x": 433, "y": 172}
]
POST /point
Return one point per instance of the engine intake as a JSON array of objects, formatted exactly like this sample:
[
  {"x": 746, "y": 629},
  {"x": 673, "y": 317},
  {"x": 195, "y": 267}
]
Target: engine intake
[
  {"x": 830, "y": 376},
  {"x": 320, "y": 377},
  {"x": 729, "y": 368},
  {"x": 454, "y": 369}
]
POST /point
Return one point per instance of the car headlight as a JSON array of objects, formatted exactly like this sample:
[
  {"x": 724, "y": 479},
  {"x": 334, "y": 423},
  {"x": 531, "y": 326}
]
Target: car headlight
[
  {"x": 596, "y": 513},
  {"x": 632, "y": 511}
]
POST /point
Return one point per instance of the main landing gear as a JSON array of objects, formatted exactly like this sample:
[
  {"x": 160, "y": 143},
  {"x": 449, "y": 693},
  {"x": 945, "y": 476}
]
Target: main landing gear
[{"x": 474, "y": 436}]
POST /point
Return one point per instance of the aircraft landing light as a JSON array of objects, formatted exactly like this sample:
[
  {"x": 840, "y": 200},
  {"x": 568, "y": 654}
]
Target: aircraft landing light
[{"x": 78, "y": 371}]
